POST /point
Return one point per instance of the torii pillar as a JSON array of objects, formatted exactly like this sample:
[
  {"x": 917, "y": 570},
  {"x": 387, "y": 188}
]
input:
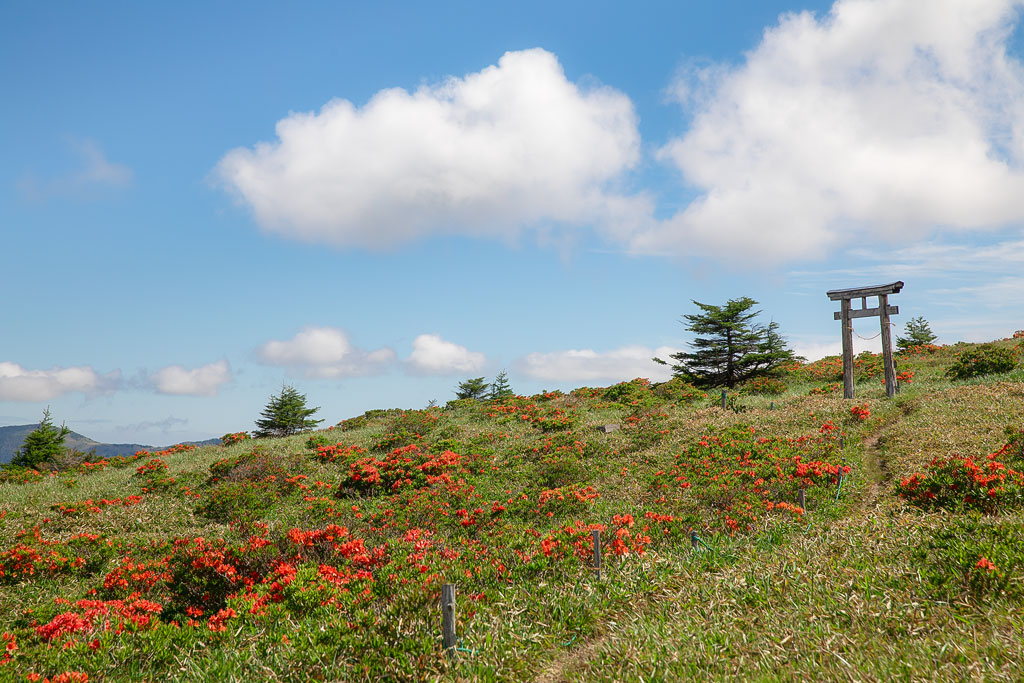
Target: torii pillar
[{"x": 847, "y": 313}]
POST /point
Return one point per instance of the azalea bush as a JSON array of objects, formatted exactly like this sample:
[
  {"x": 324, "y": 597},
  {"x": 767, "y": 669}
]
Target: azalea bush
[
  {"x": 637, "y": 392},
  {"x": 987, "y": 484},
  {"x": 741, "y": 477},
  {"x": 920, "y": 349},
  {"x": 233, "y": 438},
  {"x": 827, "y": 369},
  {"x": 772, "y": 386},
  {"x": 826, "y": 389},
  {"x": 860, "y": 413}
]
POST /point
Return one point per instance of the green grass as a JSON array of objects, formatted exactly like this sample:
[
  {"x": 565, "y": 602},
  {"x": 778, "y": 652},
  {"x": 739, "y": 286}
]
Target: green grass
[{"x": 858, "y": 586}]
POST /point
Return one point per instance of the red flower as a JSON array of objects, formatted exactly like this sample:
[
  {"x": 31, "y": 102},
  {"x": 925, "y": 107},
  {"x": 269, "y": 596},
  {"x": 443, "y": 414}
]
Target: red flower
[{"x": 985, "y": 563}]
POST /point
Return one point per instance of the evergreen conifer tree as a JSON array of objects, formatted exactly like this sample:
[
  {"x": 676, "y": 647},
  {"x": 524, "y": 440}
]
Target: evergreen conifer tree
[
  {"x": 472, "y": 388},
  {"x": 286, "y": 414},
  {"x": 500, "y": 387},
  {"x": 918, "y": 334},
  {"x": 730, "y": 347},
  {"x": 42, "y": 445}
]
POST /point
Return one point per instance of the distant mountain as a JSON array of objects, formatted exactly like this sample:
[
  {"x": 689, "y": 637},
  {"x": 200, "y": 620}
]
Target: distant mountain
[{"x": 11, "y": 439}]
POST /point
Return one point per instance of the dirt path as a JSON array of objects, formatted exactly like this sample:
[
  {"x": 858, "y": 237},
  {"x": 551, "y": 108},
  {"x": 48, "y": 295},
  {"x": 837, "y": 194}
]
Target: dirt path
[
  {"x": 876, "y": 471},
  {"x": 567, "y": 662}
]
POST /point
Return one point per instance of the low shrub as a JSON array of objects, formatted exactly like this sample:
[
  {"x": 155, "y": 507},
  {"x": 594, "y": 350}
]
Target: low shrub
[
  {"x": 14, "y": 474},
  {"x": 352, "y": 423},
  {"x": 255, "y": 466},
  {"x": 826, "y": 389},
  {"x": 678, "y": 390},
  {"x": 244, "y": 501},
  {"x": 771, "y": 386},
  {"x": 233, "y": 438},
  {"x": 636, "y": 392},
  {"x": 964, "y": 483},
  {"x": 317, "y": 440},
  {"x": 920, "y": 350},
  {"x": 984, "y": 359}
]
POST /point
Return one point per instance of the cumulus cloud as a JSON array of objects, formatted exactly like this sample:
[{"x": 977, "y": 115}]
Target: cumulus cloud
[
  {"x": 20, "y": 384},
  {"x": 205, "y": 380},
  {"x": 432, "y": 355},
  {"x": 585, "y": 365},
  {"x": 883, "y": 118},
  {"x": 514, "y": 145},
  {"x": 325, "y": 352},
  {"x": 94, "y": 172}
]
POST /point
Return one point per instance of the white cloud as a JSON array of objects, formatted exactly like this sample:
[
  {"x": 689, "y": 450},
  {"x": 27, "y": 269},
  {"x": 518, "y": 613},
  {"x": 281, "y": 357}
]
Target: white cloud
[
  {"x": 883, "y": 119},
  {"x": 205, "y": 380},
  {"x": 514, "y": 145},
  {"x": 20, "y": 384},
  {"x": 585, "y": 365},
  {"x": 432, "y": 355},
  {"x": 325, "y": 352},
  {"x": 95, "y": 171}
]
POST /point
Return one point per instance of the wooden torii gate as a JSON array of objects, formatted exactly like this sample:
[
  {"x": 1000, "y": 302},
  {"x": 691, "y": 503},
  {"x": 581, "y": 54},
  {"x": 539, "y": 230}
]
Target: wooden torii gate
[{"x": 847, "y": 313}]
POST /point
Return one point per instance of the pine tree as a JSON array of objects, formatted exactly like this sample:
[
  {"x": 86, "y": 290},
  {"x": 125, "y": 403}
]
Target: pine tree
[
  {"x": 472, "y": 388},
  {"x": 42, "y": 445},
  {"x": 500, "y": 387},
  {"x": 730, "y": 348},
  {"x": 286, "y": 414},
  {"x": 918, "y": 334}
]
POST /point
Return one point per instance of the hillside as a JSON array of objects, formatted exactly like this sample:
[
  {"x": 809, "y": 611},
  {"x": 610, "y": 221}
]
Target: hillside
[
  {"x": 321, "y": 556},
  {"x": 12, "y": 437}
]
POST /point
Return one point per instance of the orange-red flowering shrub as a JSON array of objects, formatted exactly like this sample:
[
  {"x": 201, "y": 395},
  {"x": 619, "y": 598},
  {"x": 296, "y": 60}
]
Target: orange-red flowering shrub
[{"x": 957, "y": 482}]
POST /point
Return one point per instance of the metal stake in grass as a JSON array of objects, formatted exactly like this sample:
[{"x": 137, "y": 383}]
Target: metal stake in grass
[
  {"x": 694, "y": 540},
  {"x": 724, "y": 395},
  {"x": 800, "y": 499},
  {"x": 448, "y": 618},
  {"x": 839, "y": 488},
  {"x": 597, "y": 553}
]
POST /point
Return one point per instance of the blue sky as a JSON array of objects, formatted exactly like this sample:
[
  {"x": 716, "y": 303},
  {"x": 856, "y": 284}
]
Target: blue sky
[{"x": 200, "y": 202}]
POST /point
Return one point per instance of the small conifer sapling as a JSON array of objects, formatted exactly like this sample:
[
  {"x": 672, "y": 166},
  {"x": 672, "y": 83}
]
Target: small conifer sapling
[
  {"x": 286, "y": 414},
  {"x": 42, "y": 445}
]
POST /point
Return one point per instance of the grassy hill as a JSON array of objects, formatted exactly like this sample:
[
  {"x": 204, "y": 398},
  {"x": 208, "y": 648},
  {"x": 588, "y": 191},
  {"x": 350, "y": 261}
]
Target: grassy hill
[{"x": 322, "y": 556}]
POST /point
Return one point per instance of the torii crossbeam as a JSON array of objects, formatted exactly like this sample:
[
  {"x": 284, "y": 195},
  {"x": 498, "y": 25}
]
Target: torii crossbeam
[{"x": 847, "y": 313}]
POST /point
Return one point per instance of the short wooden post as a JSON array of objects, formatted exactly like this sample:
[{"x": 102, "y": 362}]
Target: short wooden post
[
  {"x": 694, "y": 540},
  {"x": 724, "y": 395},
  {"x": 842, "y": 443},
  {"x": 772, "y": 406},
  {"x": 800, "y": 499},
  {"x": 847, "y": 323},
  {"x": 448, "y": 618},
  {"x": 597, "y": 552}
]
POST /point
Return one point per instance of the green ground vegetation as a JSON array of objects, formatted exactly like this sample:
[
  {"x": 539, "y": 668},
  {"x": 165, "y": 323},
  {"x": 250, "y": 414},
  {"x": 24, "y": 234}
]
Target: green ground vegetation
[{"x": 320, "y": 556}]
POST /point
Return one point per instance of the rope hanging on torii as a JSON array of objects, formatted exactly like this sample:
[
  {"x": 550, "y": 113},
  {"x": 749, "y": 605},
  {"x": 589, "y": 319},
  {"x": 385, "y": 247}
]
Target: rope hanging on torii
[{"x": 847, "y": 313}]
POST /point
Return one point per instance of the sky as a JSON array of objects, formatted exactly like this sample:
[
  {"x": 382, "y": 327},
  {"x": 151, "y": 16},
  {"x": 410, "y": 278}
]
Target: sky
[{"x": 202, "y": 202}]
